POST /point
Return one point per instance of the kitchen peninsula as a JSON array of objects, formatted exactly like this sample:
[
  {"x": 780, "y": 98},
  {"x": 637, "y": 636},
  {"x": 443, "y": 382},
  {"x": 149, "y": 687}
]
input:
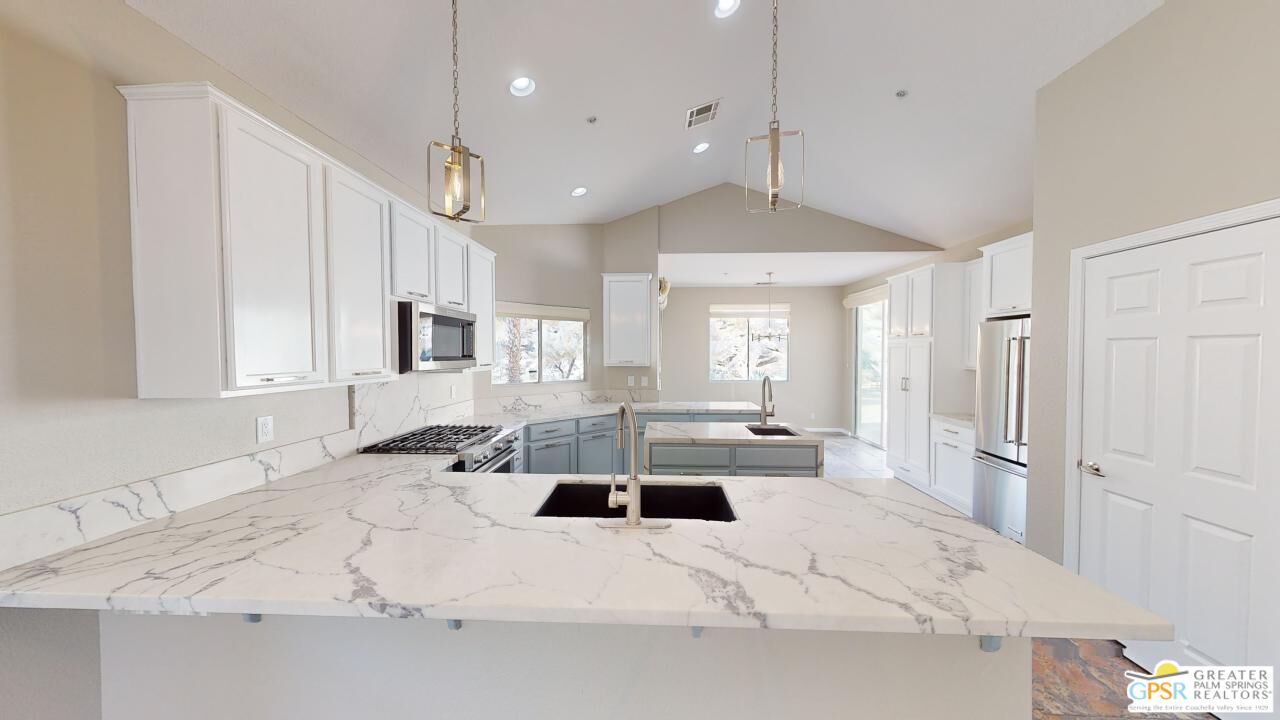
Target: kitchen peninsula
[
  {"x": 849, "y": 595},
  {"x": 726, "y": 448}
]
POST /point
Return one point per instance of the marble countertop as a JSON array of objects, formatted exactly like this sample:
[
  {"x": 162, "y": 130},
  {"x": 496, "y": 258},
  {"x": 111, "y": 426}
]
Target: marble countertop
[
  {"x": 393, "y": 536},
  {"x": 721, "y": 433},
  {"x": 523, "y": 415},
  {"x": 955, "y": 418}
]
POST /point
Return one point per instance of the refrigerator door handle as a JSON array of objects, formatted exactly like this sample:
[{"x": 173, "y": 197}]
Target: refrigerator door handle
[
  {"x": 1019, "y": 430},
  {"x": 1010, "y": 409}
]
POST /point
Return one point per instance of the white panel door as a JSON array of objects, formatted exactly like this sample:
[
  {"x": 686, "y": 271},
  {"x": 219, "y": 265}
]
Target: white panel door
[
  {"x": 918, "y": 360},
  {"x": 899, "y": 300},
  {"x": 481, "y": 286},
  {"x": 274, "y": 256},
  {"x": 413, "y": 254},
  {"x": 628, "y": 302},
  {"x": 920, "y": 309},
  {"x": 896, "y": 400},
  {"x": 359, "y": 308},
  {"x": 451, "y": 270},
  {"x": 1176, "y": 377}
]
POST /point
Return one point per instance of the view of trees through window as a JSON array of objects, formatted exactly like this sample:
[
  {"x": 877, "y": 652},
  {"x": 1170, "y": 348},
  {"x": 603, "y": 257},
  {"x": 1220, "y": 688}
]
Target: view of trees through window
[
  {"x": 530, "y": 350},
  {"x": 739, "y": 353}
]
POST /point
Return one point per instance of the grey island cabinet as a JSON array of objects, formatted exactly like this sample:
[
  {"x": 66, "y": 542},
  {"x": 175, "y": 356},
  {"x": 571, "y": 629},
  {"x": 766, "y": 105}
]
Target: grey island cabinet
[{"x": 699, "y": 448}]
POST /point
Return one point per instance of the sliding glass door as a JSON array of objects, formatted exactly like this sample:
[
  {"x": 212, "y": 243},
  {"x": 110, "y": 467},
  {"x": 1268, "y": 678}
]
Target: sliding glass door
[{"x": 868, "y": 390}]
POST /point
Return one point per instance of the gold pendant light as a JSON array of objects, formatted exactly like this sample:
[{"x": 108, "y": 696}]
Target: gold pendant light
[
  {"x": 455, "y": 202},
  {"x": 773, "y": 170}
]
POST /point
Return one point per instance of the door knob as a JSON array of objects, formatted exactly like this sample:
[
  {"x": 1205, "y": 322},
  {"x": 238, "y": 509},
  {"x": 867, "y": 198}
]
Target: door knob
[{"x": 1090, "y": 467}]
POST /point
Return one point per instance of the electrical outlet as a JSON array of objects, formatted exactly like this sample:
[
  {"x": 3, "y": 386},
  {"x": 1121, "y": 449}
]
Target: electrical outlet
[
  {"x": 266, "y": 428},
  {"x": 631, "y": 381},
  {"x": 453, "y": 391},
  {"x": 644, "y": 381}
]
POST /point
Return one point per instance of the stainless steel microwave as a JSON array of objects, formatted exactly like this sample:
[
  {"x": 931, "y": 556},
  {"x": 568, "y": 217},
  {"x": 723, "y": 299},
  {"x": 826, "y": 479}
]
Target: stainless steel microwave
[{"x": 432, "y": 338}]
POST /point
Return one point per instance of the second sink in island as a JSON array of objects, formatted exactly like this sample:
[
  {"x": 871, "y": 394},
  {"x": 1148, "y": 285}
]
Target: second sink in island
[{"x": 692, "y": 448}]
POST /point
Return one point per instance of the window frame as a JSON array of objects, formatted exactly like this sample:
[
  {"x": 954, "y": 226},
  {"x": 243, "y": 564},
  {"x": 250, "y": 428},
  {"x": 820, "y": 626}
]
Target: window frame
[
  {"x": 540, "y": 314},
  {"x": 748, "y": 313}
]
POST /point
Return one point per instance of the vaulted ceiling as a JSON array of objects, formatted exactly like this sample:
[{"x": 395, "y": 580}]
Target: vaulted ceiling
[{"x": 950, "y": 161}]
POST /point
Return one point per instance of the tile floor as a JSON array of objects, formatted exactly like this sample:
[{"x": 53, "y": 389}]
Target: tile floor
[{"x": 1071, "y": 679}]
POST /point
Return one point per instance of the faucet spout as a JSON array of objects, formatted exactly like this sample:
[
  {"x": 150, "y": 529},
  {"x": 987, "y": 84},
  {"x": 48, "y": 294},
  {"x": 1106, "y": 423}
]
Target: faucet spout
[
  {"x": 766, "y": 400},
  {"x": 629, "y": 498}
]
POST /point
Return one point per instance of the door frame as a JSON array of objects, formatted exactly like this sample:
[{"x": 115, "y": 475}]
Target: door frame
[
  {"x": 852, "y": 303},
  {"x": 1246, "y": 215}
]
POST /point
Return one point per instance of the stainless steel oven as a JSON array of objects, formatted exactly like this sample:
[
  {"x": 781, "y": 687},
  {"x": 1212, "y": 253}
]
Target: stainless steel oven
[{"x": 432, "y": 338}]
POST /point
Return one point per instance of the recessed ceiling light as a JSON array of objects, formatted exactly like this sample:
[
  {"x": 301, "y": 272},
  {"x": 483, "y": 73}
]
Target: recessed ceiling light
[
  {"x": 522, "y": 86},
  {"x": 700, "y": 148},
  {"x": 578, "y": 192},
  {"x": 725, "y": 8}
]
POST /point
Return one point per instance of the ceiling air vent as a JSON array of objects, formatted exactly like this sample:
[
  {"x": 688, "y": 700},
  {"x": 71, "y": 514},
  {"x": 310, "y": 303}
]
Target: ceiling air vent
[{"x": 702, "y": 114}]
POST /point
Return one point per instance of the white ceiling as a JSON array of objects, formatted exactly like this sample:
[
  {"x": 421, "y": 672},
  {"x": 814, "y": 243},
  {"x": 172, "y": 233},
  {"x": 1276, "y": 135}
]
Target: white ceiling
[
  {"x": 798, "y": 269},
  {"x": 951, "y": 161}
]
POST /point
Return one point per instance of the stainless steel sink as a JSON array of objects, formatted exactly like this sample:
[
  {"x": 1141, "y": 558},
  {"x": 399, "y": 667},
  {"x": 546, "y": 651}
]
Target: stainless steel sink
[
  {"x": 772, "y": 430},
  {"x": 674, "y": 502}
]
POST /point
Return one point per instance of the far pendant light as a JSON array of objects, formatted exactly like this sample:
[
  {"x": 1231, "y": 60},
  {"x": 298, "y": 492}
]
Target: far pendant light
[
  {"x": 456, "y": 197},
  {"x": 769, "y": 333},
  {"x": 772, "y": 171}
]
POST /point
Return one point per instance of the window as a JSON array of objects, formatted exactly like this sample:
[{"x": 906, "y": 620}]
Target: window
[
  {"x": 748, "y": 343},
  {"x": 539, "y": 343}
]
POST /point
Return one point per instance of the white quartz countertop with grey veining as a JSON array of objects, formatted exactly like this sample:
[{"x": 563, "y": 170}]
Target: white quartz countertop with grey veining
[
  {"x": 392, "y": 536},
  {"x": 523, "y": 414},
  {"x": 721, "y": 433}
]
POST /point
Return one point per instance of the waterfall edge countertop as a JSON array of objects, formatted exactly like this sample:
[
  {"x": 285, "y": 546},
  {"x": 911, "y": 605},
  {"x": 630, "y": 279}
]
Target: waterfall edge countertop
[{"x": 391, "y": 536}]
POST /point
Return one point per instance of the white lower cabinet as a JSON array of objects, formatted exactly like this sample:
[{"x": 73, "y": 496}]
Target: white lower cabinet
[
  {"x": 952, "y": 478},
  {"x": 907, "y": 394},
  {"x": 358, "y": 215}
]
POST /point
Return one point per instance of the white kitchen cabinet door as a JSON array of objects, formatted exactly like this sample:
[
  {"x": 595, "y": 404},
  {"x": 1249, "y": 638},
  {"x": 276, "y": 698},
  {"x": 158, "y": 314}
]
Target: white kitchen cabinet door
[
  {"x": 628, "y": 308},
  {"x": 482, "y": 276},
  {"x": 952, "y": 477},
  {"x": 413, "y": 252},
  {"x": 358, "y": 215},
  {"x": 899, "y": 300},
  {"x": 920, "y": 308},
  {"x": 451, "y": 269},
  {"x": 274, "y": 256},
  {"x": 919, "y": 355},
  {"x": 1007, "y": 276},
  {"x": 973, "y": 312},
  {"x": 895, "y": 390}
]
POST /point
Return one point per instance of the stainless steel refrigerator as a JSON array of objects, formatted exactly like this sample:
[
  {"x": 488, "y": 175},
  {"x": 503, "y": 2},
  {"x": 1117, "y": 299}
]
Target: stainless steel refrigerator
[{"x": 1001, "y": 456}]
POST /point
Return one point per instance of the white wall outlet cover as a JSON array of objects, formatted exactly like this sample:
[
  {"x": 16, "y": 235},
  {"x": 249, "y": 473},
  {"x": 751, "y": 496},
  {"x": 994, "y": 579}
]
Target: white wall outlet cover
[
  {"x": 631, "y": 381},
  {"x": 266, "y": 428},
  {"x": 644, "y": 381},
  {"x": 453, "y": 391}
]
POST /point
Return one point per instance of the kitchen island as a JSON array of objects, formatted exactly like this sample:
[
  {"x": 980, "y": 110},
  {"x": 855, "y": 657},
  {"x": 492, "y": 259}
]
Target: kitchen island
[
  {"x": 825, "y": 597},
  {"x": 727, "y": 448}
]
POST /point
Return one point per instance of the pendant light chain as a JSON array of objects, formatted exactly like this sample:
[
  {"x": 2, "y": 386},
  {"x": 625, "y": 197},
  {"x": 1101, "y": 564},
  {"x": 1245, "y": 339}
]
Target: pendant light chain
[
  {"x": 456, "y": 129},
  {"x": 775, "y": 59}
]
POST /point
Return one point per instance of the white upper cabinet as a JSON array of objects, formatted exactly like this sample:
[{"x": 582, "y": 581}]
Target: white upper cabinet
[
  {"x": 911, "y": 304},
  {"x": 974, "y": 311},
  {"x": 451, "y": 269},
  {"x": 899, "y": 299},
  {"x": 274, "y": 256},
  {"x": 358, "y": 215},
  {"x": 628, "y": 312},
  {"x": 482, "y": 274},
  {"x": 1006, "y": 273},
  {"x": 920, "y": 310},
  {"x": 413, "y": 254}
]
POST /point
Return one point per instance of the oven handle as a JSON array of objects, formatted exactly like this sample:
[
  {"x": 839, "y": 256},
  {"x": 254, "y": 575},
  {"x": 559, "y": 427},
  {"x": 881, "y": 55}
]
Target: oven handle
[{"x": 510, "y": 453}]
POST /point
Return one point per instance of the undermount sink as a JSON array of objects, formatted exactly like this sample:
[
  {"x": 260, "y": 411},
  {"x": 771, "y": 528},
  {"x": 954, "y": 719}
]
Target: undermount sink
[
  {"x": 671, "y": 502},
  {"x": 772, "y": 430}
]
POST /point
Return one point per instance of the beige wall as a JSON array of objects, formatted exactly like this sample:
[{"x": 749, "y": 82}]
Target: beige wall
[
  {"x": 811, "y": 397},
  {"x": 962, "y": 252},
  {"x": 1174, "y": 119},
  {"x": 550, "y": 265},
  {"x": 715, "y": 220}
]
